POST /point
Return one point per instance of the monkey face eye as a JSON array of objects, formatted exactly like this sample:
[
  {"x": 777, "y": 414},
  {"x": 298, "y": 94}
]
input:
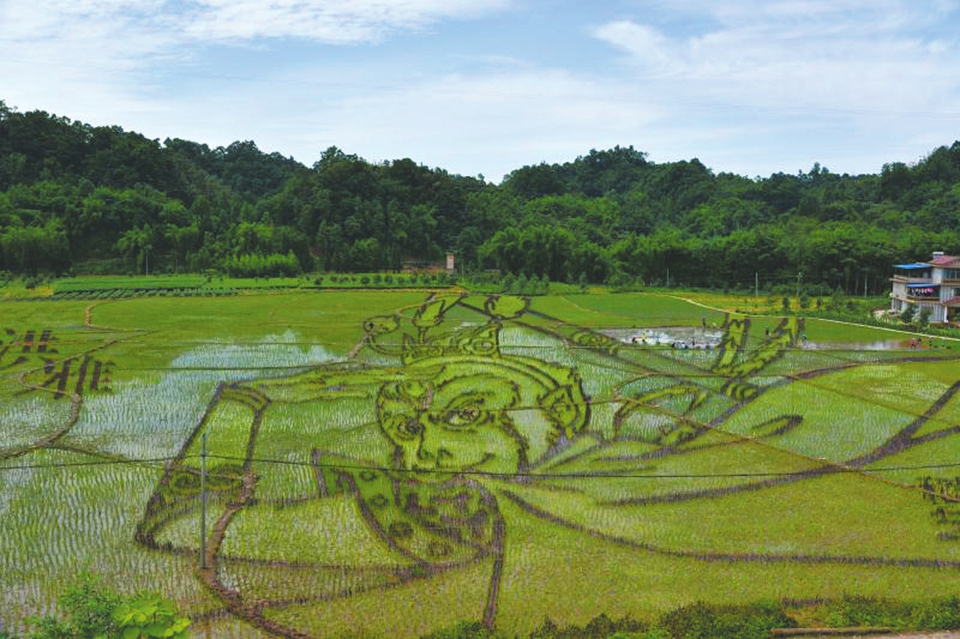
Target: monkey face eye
[{"x": 466, "y": 412}]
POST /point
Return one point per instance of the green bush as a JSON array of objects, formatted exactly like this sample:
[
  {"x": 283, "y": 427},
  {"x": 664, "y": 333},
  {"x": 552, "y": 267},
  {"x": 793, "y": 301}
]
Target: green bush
[
  {"x": 600, "y": 627},
  {"x": 938, "y": 614},
  {"x": 520, "y": 286},
  {"x": 855, "y": 610},
  {"x": 749, "y": 621},
  {"x": 712, "y": 621},
  {"x": 908, "y": 313},
  {"x": 89, "y": 609},
  {"x": 256, "y": 265},
  {"x": 150, "y": 616},
  {"x": 463, "y": 630}
]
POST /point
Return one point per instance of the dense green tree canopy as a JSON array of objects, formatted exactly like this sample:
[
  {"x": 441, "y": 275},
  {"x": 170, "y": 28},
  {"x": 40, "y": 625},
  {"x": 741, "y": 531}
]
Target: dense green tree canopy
[{"x": 78, "y": 198}]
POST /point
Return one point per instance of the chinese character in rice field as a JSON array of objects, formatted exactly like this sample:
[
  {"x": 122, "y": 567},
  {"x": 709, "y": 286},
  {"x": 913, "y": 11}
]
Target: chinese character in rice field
[
  {"x": 30, "y": 346},
  {"x": 36, "y": 354}
]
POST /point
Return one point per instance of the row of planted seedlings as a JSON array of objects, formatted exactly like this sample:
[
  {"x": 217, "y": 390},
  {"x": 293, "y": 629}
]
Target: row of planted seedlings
[{"x": 118, "y": 293}]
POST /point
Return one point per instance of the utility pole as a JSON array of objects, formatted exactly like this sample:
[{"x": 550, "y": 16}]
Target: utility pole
[
  {"x": 799, "y": 278},
  {"x": 203, "y": 501}
]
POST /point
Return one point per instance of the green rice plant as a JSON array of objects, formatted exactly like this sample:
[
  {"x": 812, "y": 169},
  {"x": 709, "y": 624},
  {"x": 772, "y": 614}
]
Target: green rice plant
[
  {"x": 843, "y": 521},
  {"x": 833, "y": 425},
  {"x": 623, "y": 475},
  {"x": 60, "y": 521},
  {"x": 101, "y": 283},
  {"x": 388, "y": 462},
  {"x": 936, "y": 458},
  {"x": 631, "y": 309},
  {"x": 413, "y": 607},
  {"x": 287, "y": 533},
  {"x": 27, "y": 419}
]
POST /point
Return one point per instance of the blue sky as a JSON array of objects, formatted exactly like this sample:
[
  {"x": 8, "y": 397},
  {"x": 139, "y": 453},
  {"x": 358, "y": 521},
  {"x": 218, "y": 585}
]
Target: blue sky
[{"x": 486, "y": 86}]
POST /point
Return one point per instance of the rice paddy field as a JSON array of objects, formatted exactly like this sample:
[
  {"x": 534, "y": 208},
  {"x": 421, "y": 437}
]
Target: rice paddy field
[{"x": 314, "y": 463}]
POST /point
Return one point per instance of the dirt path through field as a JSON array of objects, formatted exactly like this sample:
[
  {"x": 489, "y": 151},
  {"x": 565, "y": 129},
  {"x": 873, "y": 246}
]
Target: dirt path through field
[{"x": 88, "y": 316}]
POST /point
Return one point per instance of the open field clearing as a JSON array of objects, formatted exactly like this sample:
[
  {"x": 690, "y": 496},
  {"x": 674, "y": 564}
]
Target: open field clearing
[{"x": 390, "y": 462}]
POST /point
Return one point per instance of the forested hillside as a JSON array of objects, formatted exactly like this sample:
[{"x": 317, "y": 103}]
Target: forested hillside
[{"x": 81, "y": 199}]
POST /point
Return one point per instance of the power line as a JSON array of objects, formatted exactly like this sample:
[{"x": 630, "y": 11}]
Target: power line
[
  {"x": 838, "y": 468},
  {"x": 832, "y": 468},
  {"x": 101, "y": 462}
]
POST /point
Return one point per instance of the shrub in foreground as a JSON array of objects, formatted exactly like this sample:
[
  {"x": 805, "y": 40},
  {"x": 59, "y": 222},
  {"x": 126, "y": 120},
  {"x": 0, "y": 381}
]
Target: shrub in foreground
[
  {"x": 933, "y": 614},
  {"x": 463, "y": 630},
  {"x": 600, "y": 627},
  {"x": 712, "y": 621},
  {"x": 93, "y": 611}
]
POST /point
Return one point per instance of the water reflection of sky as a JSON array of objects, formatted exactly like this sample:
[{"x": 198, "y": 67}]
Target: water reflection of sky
[
  {"x": 879, "y": 345},
  {"x": 144, "y": 418}
]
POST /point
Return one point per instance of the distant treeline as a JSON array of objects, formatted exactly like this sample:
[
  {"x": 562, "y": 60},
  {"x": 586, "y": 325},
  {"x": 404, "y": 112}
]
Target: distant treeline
[{"x": 81, "y": 199}]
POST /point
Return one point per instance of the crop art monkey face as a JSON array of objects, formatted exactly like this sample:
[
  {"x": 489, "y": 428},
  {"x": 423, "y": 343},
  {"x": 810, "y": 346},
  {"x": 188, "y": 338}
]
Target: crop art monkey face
[{"x": 478, "y": 414}]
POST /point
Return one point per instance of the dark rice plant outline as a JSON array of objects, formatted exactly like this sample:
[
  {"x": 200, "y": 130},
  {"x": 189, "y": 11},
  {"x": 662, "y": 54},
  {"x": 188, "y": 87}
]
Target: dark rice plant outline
[{"x": 732, "y": 361}]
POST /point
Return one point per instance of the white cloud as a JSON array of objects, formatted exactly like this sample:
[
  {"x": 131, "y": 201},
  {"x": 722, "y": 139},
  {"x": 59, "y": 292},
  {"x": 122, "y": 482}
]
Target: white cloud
[
  {"x": 851, "y": 83},
  {"x": 490, "y": 123},
  {"x": 102, "y": 60},
  {"x": 334, "y": 21},
  {"x": 846, "y": 56},
  {"x": 744, "y": 84},
  {"x": 652, "y": 49}
]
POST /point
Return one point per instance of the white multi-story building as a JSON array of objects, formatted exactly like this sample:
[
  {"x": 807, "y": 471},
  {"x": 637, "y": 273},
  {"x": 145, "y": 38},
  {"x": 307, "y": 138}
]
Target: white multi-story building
[{"x": 933, "y": 285}]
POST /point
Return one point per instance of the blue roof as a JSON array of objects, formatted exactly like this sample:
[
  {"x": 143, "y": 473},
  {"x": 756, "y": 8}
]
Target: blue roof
[
  {"x": 923, "y": 285},
  {"x": 913, "y": 266}
]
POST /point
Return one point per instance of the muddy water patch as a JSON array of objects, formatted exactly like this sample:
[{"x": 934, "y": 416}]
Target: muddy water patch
[{"x": 680, "y": 337}]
